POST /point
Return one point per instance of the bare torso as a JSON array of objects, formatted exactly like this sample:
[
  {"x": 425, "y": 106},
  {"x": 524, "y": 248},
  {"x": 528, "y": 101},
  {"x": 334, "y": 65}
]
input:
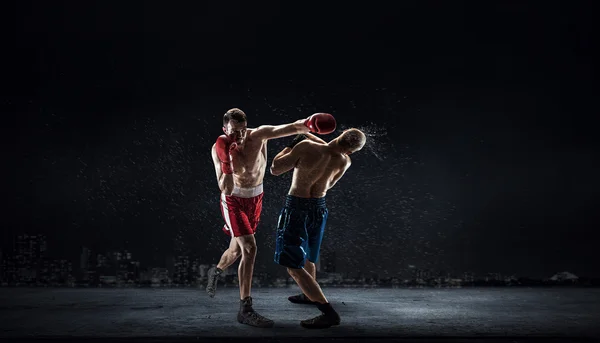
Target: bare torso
[
  {"x": 317, "y": 171},
  {"x": 249, "y": 162}
]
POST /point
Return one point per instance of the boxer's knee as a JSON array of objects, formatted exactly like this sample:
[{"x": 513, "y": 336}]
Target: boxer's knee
[
  {"x": 249, "y": 251},
  {"x": 248, "y": 248},
  {"x": 293, "y": 271}
]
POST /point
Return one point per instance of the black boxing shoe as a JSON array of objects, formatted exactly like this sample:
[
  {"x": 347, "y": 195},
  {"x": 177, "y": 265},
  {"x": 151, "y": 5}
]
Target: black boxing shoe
[
  {"x": 329, "y": 318},
  {"x": 322, "y": 322},
  {"x": 301, "y": 299},
  {"x": 248, "y": 316},
  {"x": 213, "y": 275}
]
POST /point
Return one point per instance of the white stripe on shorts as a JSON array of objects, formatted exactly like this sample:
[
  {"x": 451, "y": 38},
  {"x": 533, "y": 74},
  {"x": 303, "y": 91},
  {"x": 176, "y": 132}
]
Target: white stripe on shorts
[
  {"x": 247, "y": 192},
  {"x": 226, "y": 213}
]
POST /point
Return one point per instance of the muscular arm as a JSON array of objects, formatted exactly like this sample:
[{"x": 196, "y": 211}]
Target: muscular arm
[
  {"x": 277, "y": 131},
  {"x": 225, "y": 181},
  {"x": 287, "y": 159}
]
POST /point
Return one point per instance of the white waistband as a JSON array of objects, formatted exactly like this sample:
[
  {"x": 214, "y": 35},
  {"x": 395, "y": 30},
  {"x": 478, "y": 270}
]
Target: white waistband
[{"x": 247, "y": 192}]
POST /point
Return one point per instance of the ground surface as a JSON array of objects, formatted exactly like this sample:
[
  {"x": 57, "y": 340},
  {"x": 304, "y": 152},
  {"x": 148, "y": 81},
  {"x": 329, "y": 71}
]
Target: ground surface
[{"x": 377, "y": 313}]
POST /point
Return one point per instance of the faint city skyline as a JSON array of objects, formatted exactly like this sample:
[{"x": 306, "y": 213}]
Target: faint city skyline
[{"x": 30, "y": 265}]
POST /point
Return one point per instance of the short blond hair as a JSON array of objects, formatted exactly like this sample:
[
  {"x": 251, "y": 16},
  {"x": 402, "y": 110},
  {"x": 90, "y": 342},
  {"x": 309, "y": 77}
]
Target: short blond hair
[{"x": 352, "y": 139}]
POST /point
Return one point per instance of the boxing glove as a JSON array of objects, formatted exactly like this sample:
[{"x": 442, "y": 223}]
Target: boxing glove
[
  {"x": 321, "y": 123},
  {"x": 296, "y": 140},
  {"x": 223, "y": 146}
]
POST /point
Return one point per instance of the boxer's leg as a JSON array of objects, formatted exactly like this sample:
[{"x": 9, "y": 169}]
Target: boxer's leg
[
  {"x": 313, "y": 291},
  {"x": 227, "y": 259},
  {"x": 301, "y": 298},
  {"x": 315, "y": 236},
  {"x": 234, "y": 222},
  {"x": 308, "y": 285},
  {"x": 246, "y": 314},
  {"x": 291, "y": 245},
  {"x": 246, "y": 268}
]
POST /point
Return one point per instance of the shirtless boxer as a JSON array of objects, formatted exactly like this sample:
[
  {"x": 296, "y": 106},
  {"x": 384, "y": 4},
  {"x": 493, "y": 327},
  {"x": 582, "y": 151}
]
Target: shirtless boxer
[
  {"x": 240, "y": 159},
  {"x": 317, "y": 167}
]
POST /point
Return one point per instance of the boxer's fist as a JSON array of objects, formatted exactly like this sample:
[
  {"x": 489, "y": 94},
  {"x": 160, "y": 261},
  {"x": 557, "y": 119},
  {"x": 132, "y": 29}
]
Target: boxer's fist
[
  {"x": 223, "y": 146},
  {"x": 321, "y": 123},
  {"x": 296, "y": 140}
]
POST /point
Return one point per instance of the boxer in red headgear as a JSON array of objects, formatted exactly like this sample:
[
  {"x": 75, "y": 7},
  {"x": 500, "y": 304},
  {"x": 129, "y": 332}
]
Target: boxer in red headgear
[{"x": 240, "y": 159}]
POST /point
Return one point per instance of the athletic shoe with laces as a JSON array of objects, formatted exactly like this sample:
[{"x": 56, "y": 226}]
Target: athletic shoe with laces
[
  {"x": 248, "y": 316},
  {"x": 213, "y": 276}
]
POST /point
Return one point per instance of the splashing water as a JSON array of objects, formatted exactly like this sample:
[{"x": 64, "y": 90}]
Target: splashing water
[
  {"x": 161, "y": 178},
  {"x": 375, "y": 143}
]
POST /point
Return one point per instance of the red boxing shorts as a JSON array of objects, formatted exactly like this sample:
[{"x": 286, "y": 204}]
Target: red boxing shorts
[{"x": 241, "y": 210}]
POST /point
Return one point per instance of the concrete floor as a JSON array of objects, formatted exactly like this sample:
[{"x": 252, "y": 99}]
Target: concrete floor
[{"x": 377, "y": 313}]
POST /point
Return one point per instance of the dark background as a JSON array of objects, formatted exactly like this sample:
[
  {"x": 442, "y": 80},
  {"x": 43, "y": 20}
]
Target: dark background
[{"x": 480, "y": 115}]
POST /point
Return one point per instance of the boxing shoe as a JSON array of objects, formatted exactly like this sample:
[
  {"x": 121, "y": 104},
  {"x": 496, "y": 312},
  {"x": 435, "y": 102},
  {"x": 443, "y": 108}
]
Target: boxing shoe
[
  {"x": 328, "y": 318},
  {"x": 301, "y": 299},
  {"x": 213, "y": 276},
  {"x": 248, "y": 316}
]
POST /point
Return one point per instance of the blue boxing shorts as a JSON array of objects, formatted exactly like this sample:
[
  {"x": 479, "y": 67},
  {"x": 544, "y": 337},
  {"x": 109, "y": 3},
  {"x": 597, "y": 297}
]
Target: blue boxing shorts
[{"x": 300, "y": 231}]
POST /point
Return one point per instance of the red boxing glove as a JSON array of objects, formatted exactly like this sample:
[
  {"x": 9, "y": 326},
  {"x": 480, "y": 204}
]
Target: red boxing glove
[
  {"x": 223, "y": 146},
  {"x": 321, "y": 123}
]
